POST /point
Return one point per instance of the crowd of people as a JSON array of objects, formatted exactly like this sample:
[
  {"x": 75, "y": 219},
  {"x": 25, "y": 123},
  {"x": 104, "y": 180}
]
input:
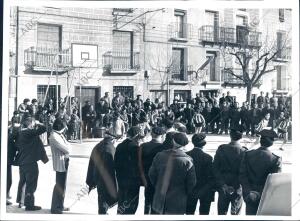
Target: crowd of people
[
  {"x": 209, "y": 114},
  {"x": 174, "y": 173}
]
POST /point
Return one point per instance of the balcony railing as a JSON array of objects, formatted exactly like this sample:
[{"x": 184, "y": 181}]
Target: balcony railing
[
  {"x": 181, "y": 74},
  {"x": 46, "y": 59},
  {"x": 179, "y": 31},
  {"x": 121, "y": 61},
  {"x": 231, "y": 36},
  {"x": 284, "y": 54},
  {"x": 229, "y": 79}
]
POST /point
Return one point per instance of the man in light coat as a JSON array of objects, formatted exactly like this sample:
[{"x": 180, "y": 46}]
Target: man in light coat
[
  {"x": 60, "y": 149},
  {"x": 173, "y": 175}
]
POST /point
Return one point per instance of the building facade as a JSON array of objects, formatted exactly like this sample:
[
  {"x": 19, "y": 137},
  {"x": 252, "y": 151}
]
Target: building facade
[{"x": 158, "y": 53}]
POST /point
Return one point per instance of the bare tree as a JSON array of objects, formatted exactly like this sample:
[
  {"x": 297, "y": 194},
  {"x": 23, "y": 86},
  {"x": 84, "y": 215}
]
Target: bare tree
[{"x": 261, "y": 56}]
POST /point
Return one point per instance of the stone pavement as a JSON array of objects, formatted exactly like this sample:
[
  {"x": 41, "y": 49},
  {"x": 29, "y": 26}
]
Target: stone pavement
[{"x": 77, "y": 174}]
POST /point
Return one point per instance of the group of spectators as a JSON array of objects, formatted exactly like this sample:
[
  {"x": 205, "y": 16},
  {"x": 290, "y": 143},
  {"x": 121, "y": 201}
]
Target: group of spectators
[{"x": 174, "y": 176}]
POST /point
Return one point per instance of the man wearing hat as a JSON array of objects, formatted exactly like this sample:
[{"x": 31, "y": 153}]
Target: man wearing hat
[
  {"x": 203, "y": 190},
  {"x": 127, "y": 172},
  {"x": 23, "y": 108},
  {"x": 173, "y": 175},
  {"x": 33, "y": 108},
  {"x": 101, "y": 173},
  {"x": 148, "y": 152},
  {"x": 255, "y": 167},
  {"x": 31, "y": 150},
  {"x": 226, "y": 166}
]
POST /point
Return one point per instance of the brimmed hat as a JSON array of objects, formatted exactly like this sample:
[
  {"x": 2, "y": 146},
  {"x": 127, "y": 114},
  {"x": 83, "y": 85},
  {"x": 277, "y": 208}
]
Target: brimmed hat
[{"x": 180, "y": 139}]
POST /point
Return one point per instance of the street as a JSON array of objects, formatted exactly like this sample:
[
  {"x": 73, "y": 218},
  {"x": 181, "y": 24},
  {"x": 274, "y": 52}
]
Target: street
[{"x": 77, "y": 174}]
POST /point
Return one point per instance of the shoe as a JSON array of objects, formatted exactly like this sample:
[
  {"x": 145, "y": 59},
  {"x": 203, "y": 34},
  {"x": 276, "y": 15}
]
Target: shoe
[
  {"x": 66, "y": 209},
  {"x": 56, "y": 212},
  {"x": 8, "y": 203},
  {"x": 20, "y": 205},
  {"x": 32, "y": 208}
]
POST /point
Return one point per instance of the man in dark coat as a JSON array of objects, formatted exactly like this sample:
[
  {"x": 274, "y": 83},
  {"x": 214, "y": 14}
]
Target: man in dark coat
[
  {"x": 235, "y": 115},
  {"x": 85, "y": 116},
  {"x": 148, "y": 152},
  {"x": 188, "y": 115},
  {"x": 127, "y": 172},
  {"x": 226, "y": 168},
  {"x": 204, "y": 189},
  {"x": 255, "y": 167},
  {"x": 101, "y": 173},
  {"x": 31, "y": 150},
  {"x": 173, "y": 175},
  {"x": 229, "y": 98},
  {"x": 224, "y": 118},
  {"x": 255, "y": 117},
  {"x": 216, "y": 116},
  {"x": 261, "y": 99}
]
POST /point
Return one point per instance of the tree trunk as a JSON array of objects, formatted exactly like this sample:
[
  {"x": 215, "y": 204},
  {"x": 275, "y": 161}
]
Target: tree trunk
[{"x": 249, "y": 93}]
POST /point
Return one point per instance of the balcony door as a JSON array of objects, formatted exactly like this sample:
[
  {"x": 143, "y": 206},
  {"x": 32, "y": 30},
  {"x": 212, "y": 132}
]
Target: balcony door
[
  {"x": 211, "y": 66},
  {"x": 178, "y": 64},
  {"x": 179, "y": 22},
  {"x": 242, "y": 31},
  {"x": 212, "y": 20},
  {"x": 122, "y": 53}
]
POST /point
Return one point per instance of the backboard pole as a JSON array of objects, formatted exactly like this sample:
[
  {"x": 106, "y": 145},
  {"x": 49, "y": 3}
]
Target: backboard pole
[{"x": 80, "y": 106}]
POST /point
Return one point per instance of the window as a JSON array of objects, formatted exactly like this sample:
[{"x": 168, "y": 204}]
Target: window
[
  {"x": 41, "y": 92},
  {"x": 122, "y": 50},
  {"x": 281, "y": 36},
  {"x": 177, "y": 66},
  {"x": 126, "y": 91},
  {"x": 281, "y": 14},
  {"x": 242, "y": 31},
  {"x": 182, "y": 96},
  {"x": 211, "y": 67},
  {"x": 180, "y": 31},
  {"x": 49, "y": 37},
  {"x": 281, "y": 77},
  {"x": 212, "y": 21}
]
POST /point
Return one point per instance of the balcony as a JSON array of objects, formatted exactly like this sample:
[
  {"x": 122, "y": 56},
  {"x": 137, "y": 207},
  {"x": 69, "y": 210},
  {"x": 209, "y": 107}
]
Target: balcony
[
  {"x": 230, "y": 80},
  {"x": 180, "y": 75},
  {"x": 121, "y": 61},
  {"x": 180, "y": 31},
  {"x": 46, "y": 60},
  {"x": 233, "y": 37},
  {"x": 284, "y": 55}
]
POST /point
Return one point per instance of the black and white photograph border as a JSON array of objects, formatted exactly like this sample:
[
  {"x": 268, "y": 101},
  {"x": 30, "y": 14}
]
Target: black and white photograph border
[{"x": 87, "y": 64}]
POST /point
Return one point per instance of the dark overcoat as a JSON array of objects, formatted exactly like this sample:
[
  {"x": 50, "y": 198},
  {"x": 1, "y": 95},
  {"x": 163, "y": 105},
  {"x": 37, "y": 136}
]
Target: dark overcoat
[
  {"x": 101, "y": 171},
  {"x": 173, "y": 175}
]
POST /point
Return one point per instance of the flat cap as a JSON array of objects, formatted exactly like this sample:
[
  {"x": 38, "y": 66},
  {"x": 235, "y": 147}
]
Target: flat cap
[
  {"x": 158, "y": 130},
  {"x": 134, "y": 131},
  {"x": 180, "y": 139},
  {"x": 199, "y": 139},
  {"x": 268, "y": 133}
]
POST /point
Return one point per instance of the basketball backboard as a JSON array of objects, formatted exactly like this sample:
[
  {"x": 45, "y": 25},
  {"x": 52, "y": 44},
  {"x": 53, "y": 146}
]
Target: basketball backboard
[
  {"x": 84, "y": 55},
  {"x": 276, "y": 197}
]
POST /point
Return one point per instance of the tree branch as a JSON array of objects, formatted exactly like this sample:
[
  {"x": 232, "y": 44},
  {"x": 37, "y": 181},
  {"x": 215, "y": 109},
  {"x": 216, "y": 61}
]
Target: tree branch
[{"x": 230, "y": 71}]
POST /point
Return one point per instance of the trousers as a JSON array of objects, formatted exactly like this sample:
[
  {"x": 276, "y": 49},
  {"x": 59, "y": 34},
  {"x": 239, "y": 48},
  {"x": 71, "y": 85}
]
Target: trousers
[
  {"x": 225, "y": 199},
  {"x": 149, "y": 193},
  {"x": 30, "y": 172},
  {"x": 8, "y": 179},
  {"x": 58, "y": 194},
  {"x": 128, "y": 199},
  {"x": 192, "y": 204}
]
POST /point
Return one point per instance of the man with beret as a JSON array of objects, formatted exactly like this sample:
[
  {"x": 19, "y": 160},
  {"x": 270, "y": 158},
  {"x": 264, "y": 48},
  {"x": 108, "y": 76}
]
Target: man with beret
[
  {"x": 173, "y": 175},
  {"x": 101, "y": 173},
  {"x": 204, "y": 189},
  {"x": 127, "y": 171},
  {"x": 226, "y": 166},
  {"x": 148, "y": 152},
  {"x": 31, "y": 150},
  {"x": 255, "y": 167}
]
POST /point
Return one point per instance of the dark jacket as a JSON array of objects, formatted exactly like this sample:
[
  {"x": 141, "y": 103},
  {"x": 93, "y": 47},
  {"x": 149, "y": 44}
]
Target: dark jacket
[
  {"x": 126, "y": 164},
  {"x": 149, "y": 151},
  {"x": 11, "y": 145},
  {"x": 226, "y": 164},
  {"x": 30, "y": 146},
  {"x": 101, "y": 171},
  {"x": 255, "y": 168},
  {"x": 204, "y": 188},
  {"x": 173, "y": 175}
]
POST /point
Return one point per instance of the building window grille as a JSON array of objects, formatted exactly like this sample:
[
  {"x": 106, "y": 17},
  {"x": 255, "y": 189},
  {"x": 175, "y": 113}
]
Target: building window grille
[
  {"x": 126, "y": 91},
  {"x": 41, "y": 92}
]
